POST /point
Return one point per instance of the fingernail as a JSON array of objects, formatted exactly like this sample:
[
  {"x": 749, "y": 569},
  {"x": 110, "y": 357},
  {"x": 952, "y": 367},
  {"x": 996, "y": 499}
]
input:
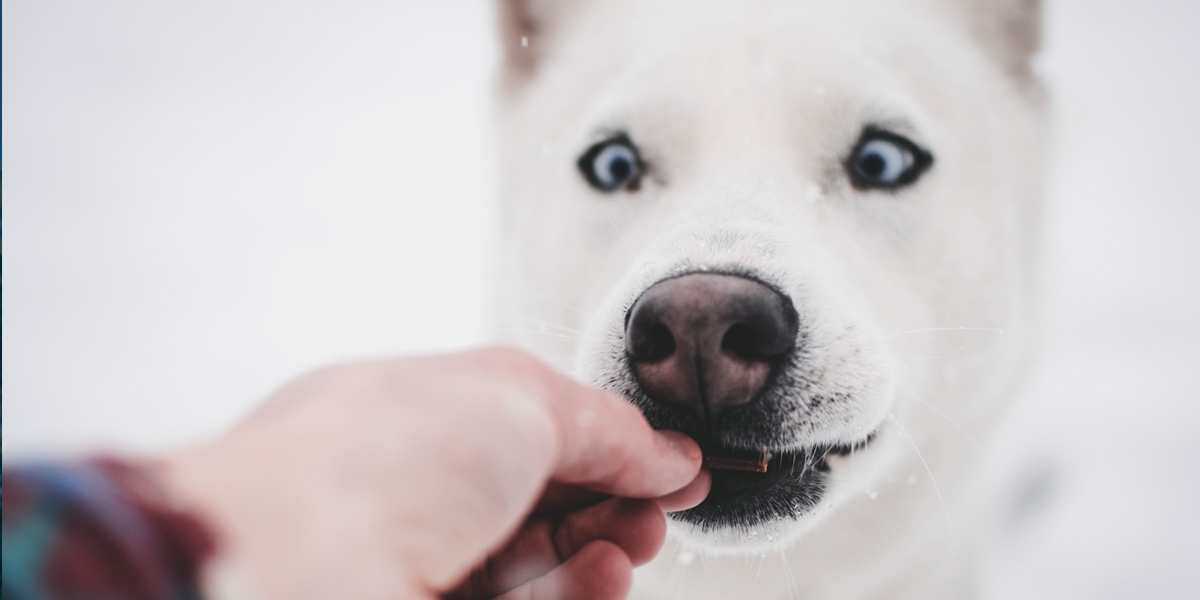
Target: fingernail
[{"x": 682, "y": 444}]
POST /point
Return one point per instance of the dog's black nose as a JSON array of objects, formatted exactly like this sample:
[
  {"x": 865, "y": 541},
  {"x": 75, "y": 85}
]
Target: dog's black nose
[{"x": 707, "y": 341}]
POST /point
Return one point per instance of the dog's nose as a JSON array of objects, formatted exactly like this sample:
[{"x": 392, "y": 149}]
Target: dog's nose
[{"x": 708, "y": 341}]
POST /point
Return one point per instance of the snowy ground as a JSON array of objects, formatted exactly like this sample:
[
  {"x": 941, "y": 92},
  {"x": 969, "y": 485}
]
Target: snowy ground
[{"x": 174, "y": 247}]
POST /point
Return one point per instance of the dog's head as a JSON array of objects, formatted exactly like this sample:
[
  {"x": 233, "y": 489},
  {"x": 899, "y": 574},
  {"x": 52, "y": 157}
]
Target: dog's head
[{"x": 753, "y": 219}]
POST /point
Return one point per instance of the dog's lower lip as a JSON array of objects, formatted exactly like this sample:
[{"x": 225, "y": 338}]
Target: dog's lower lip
[
  {"x": 793, "y": 483},
  {"x": 763, "y": 461}
]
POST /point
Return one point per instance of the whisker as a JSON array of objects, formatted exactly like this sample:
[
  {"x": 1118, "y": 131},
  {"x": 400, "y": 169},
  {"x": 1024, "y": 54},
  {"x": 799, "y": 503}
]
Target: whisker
[
  {"x": 543, "y": 324},
  {"x": 622, "y": 237},
  {"x": 558, "y": 310},
  {"x": 948, "y": 419},
  {"x": 992, "y": 329},
  {"x": 788, "y": 578},
  {"x": 921, "y": 389},
  {"x": 546, "y": 334},
  {"x": 858, "y": 484},
  {"x": 704, "y": 562},
  {"x": 558, "y": 355},
  {"x": 945, "y": 509},
  {"x": 761, "y": 561},
  {"x": 560, "y": 303},
  {"x": 675, "y": 569}
]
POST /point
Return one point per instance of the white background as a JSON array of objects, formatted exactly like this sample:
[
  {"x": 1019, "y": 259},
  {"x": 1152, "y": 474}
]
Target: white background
[{"x": 202, "y": 200}]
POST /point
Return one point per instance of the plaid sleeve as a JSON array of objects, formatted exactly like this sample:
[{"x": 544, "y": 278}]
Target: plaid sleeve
[{"x": 96, "y": 530}]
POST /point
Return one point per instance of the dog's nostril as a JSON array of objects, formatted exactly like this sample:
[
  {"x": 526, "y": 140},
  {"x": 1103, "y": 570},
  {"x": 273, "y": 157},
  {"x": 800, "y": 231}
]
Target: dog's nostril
[
  {"x": 737, "y": 341},
  {"x": 764, "y": 342},
  {"x": 740, "y": 340},
  {"x": 650, "y": 344}
]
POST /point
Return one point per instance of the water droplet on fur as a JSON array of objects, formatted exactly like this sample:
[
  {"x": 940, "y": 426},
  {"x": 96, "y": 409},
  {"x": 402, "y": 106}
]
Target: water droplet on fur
[
  {"x": 686, "y": 557},
  {"x": 813, "y": 194},
  {"x": 873, "y": 495}
]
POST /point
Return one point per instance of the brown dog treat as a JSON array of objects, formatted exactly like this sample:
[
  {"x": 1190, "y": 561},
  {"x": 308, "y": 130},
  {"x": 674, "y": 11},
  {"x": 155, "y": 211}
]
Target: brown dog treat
[{"x": 738, "y": 460}]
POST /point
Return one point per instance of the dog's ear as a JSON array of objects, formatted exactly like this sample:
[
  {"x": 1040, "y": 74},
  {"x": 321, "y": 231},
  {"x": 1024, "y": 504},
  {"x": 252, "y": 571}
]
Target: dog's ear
[
  {"x": 1010, "y": 30},
  {"x": 527, "y": 29}
]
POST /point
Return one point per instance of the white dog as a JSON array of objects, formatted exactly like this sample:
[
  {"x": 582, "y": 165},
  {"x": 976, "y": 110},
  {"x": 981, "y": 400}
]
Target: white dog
[{"x": 803, "y": 232}]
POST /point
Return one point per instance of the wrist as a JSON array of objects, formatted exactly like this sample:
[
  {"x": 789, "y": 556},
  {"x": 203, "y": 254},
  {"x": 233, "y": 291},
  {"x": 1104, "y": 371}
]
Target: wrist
[
  {"x": 102, "y": 528},
  {"x": 184, "y": 481}
]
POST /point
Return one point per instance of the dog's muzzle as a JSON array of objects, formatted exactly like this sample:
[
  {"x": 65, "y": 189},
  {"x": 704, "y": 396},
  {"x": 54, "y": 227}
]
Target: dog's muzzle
[{"x": 709, "y": 352}]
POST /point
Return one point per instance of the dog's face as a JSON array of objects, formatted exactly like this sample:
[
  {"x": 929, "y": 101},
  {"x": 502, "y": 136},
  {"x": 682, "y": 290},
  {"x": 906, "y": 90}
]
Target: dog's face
[{"x": 755, "y": 220}]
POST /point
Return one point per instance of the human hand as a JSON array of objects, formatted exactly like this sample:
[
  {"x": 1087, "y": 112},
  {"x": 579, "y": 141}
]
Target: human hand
[{"x": 461, "y": 476}]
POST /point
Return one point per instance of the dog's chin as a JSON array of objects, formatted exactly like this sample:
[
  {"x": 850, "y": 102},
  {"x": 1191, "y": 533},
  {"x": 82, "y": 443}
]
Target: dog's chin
[{"x": 763, "y": 508}]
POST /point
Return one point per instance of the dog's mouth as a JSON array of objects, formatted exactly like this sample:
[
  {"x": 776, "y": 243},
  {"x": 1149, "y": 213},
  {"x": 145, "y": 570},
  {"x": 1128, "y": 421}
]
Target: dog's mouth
[{"x": 750, "y": 487}]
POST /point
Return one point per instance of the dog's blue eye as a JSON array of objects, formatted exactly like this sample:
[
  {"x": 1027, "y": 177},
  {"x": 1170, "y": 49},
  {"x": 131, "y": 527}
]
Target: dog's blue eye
[
  {"x": 885, "y": 160},
  {"x": 612, "y": 164}
]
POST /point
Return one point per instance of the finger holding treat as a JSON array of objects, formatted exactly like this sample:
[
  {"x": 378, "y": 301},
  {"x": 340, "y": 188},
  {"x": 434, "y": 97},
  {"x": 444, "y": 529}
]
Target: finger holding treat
[{"x": 467, "y": 476}]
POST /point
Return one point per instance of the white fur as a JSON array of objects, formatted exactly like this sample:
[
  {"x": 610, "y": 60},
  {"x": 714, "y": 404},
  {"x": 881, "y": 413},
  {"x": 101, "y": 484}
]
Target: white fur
[{"x": 919, "y": 304}]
